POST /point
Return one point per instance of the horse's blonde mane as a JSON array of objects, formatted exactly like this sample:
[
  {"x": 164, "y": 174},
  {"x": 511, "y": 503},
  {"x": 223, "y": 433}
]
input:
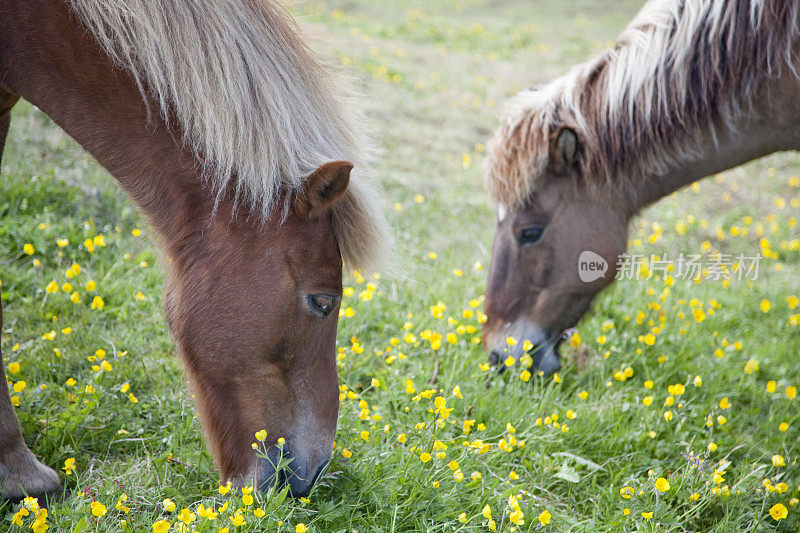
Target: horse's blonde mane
[
  {"x": 249, "y": 98},
  {"x": 680, "y": 69}
]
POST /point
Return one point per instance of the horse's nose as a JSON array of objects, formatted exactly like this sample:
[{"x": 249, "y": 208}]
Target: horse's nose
[
  {"x": 494, "y": 357},
  {"x": 281, "y": 468},
  {"x": 300, "y": 483}
]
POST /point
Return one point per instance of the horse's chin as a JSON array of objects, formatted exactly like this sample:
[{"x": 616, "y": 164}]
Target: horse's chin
[{"x": 546, "y": 358}]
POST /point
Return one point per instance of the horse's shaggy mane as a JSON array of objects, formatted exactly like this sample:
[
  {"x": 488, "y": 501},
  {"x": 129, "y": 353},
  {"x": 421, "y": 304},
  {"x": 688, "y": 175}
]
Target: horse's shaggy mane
[
  {"x": 679, "y": 69},
  {"x": 249, "y": 98}
]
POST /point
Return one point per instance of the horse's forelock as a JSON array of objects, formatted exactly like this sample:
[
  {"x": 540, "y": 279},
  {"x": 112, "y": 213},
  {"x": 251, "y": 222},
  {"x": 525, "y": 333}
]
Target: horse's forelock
[{"x": 517, "y": 154}]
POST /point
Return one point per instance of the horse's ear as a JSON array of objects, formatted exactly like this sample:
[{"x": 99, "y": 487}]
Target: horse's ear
[
  {"x": 324, "y": 186},
  {"x": 563, "y": 150}
]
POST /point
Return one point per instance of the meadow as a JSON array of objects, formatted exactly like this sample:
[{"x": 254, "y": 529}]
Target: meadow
[{"x": 676, "y": 408}]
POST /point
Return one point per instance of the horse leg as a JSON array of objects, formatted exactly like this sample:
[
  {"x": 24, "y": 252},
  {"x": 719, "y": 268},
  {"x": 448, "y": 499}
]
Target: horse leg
[{"x": 20, "y": 473}]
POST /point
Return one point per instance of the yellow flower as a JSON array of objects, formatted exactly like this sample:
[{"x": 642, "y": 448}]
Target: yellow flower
[
  {"x": 778, "y": 460},
  {"x": 261, "y": 435},
  {"x": 98, "y": 509},
  {"x": 19, "y": 386},
  {"x": 771, "y": 386},
  {"x": 516, "y": 517},
  {"x": 575, "y": 340},
  {"x": 51, "y": 287},
  {"x": 91, "y": 285},
  {"x": 237, "y": 520},
  {"x": 161, "y": 526},
  {"x": 28, "y": 248},
  {"x": 778, "y": 511},
  {"x": 13, "y": 367},
  {"x": 676, "y": 389},
  {"x": 98, "y": 303},
  {"x": 300, "y": 528},
  {"x": 783, "y": 427},
  {"x": 513, "y": 476},
  {"x": 544, "y": 517},
  {"x": 712, "y": 446},
  {"x": 247, "y": 499},
  {"x": 791, "y": 392},
  {"x": 19, "y": 515},
  {"x": 347, "y": 454},
  {"x": 425, "y": 457},
  {"x": 487, "y": 512},
  {"x": 647, "y": 400},
  {"x": 583, "y": 394},
  {"x": 765, "y": 305},
  {"x": 724, "y": 403},
  {"x": 186, "y": 516},
  {"x": 75, "y": 298},
  {"x": 69, "y": 465},
  {"x": 668, "y": 415},
  {"x": 698, "y": 381},
  {"x": 647, "y": 515},
  {"x": 169, "y": 505},
  {"x": 62, "y": 242},
  {"x": 662, "y": 485}
]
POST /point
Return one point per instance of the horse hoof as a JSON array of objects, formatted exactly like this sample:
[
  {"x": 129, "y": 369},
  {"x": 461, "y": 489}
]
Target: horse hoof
[{"x": 35, "y": 480}]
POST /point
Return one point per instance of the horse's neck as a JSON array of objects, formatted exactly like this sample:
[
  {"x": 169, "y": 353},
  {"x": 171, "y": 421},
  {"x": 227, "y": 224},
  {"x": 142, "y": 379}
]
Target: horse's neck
[
  {"x": 50, "y": 61},
  {"x": 772, "y": 125}
]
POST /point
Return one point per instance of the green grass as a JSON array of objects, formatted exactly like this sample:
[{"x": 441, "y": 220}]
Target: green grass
[{"x": 433, "y": 76}]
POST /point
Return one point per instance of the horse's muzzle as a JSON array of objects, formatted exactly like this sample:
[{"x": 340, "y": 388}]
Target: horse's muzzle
[
  {"x": 281, "y": 468},
  {"x": 544, "y": 353}
]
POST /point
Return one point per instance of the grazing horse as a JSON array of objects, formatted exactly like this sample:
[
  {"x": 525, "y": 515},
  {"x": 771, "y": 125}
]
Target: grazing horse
[
  {"x": 231, "y": 137},
  {"x": 691, "y": 88}
]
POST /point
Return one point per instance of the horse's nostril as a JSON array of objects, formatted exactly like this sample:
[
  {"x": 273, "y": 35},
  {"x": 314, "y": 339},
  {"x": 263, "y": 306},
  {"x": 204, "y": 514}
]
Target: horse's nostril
[{"x": 494, "y": 357}]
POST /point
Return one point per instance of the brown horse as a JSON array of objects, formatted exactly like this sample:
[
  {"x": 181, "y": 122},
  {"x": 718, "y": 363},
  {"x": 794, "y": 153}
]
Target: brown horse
[
  {"x": 691, "y": 88},
  {"x": 228, "y": 133}
]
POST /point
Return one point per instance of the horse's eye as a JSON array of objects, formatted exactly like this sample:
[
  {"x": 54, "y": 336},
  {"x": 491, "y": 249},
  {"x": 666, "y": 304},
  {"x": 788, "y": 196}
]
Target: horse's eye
[
  {"x": 531, "y": 235},
  {"x": 321, "y": 304}
]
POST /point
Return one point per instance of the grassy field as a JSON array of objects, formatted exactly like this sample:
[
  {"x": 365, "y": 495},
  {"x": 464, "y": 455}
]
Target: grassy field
[{"x": 675, "y": 409}]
